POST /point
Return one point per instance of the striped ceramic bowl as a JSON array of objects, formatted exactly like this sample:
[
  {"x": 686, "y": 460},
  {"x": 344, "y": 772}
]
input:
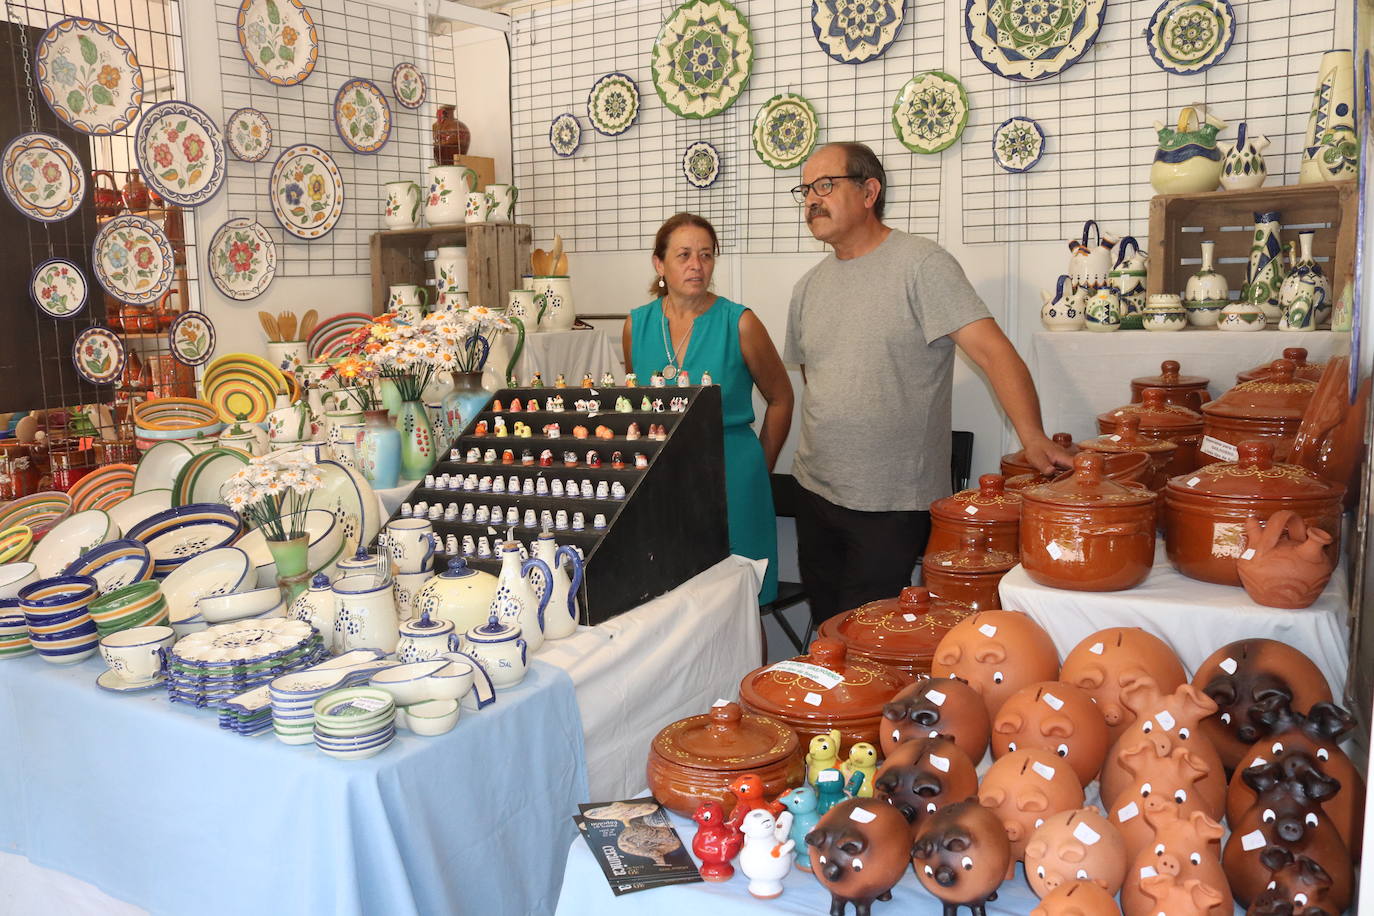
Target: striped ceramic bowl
[
  {"x": 132, "y": 605},
  {"x": 182, "y": 532},
  {"x": 56, "y": 596}
]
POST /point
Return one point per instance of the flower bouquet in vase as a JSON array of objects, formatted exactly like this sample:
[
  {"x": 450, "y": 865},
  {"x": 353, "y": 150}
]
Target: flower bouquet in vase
[
  {"x": 474, "y": 331},
  {"x": 273, "y": 493}
]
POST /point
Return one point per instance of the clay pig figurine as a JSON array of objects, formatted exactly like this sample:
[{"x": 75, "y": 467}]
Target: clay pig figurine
[
  {"x": 1111, "y": 659},
  {"x": 1181, "y": 896},
  {"x": 1023, "y": 788},
  {"x": 961, "y": 856},
  {"x": 1184, "y": 848},
  {"x": 1056, "y": 717},
  {"x": 1156, "y": 782},
  {"x": 937, "y": 706},
  {"x": 1243, "y": 673},
  {"x": 1078, "y": 845},
  {"x": 1165, "y": 722},
  {"x": 716, "y": 842},
  {"x": 997, "y": 653},
  {"x": 859, "y": 851},
  {"x": 1297, "y": 886},
  {"x": 924, "y": 775},
  {"x": 1077, "y": 898}
]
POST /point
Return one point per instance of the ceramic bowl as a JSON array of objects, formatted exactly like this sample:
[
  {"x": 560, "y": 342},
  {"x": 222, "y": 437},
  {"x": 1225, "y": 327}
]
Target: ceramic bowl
[
  {"x": 270, "y": 613},
  {"x": 222, "y": 571},
  {"x": 238, "y": 605},
  {"x": 134, "y": 655},
  {"x": 14, "y": 576},
  {"x": 353, "y": 710},
  {"x": 453, "y": 681},
  {"x": 176, "y": 535},
  {"x": 129, "y": 606},
  {"x": 56, "y": 596},
  {"x": 1204, "y": 314},
  {"x": 158, "y": 435},
  {"x": 432, "y": 717},
  {"x": 70, "y": 538},
  {"x": 160, "y": 465},
  {"x": 1164, "y": 319},
  {"x": 326, "y": 541},
  {"x": 114, "y": 564},
  {"x": 380, "y": 735},
  {"x": 140, "y": 507},
  {"x": 69, "y": 655},
  {"x": 415, "y": 683},
  {"x": 79, "y": 625},
  {"x": 16, "y": 542}
]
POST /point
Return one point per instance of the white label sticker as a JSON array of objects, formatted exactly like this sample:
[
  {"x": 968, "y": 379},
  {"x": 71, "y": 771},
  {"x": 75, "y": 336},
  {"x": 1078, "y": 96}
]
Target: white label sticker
[
  {"x": 988, "y": 630},
  {"x": 1128, "y": 812},
  {"x": 371, "y": 704},
  {"x": 593, "y": 392},
  {"x": 822, "y": 676},
  {"x": 1248, "y": 553},
  {"x": 1165, "y": 720},
  {"x": 1253, "y": 840},
  {"x": 1097, "y": 648},
  {"x": 862, "y": 815},
  {"x": 812, "y": 698},
  {"x": 1052, "y": 701},
  {"x": 909, "y": 618},
  {"x": 1044, "y": 771},
  {"x": 1054, "y": 550},
  {"x": 1148, "y": 872},
  {"x": 1194, "y": 481},
  {"x": 1222, "y": 451},
  {"x": 1114, "y": 438},
  {"x": 1228, "y": 665},
  {"x": 935, "y": 697},
  {"x": 971, "y": 510},
  {"x": 940, "y": 763},
  {"x": 1086, "y": 835},
  {"x": 719, "y": 703}
]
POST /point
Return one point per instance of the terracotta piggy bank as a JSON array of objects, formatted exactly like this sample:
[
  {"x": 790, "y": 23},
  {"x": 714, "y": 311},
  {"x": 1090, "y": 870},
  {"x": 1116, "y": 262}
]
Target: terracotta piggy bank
[
  {"x": 1243, "y": 673},
  {"x": 1181, "y": 897},
  {"x": 1156, "y": 781},
  {"x": 1023, "y": 788},
  {"x": 997, "y": 653},
  {"x": 1078, "y": 845},
  {"x": 1114, "y": 658},
  {"x": 1184, "y": 848},
  {"x": 924, "y": 775},
  {"x": 1077, "y": 898},
  {"x": 1297, "y": 886},
  {"x": 937, "y": 706},
  {"x": 1165, "y": 722},
  {"x": 1056, "y": 717},
  {"x": 961, "y": 856},
  {"x": 859, "y": 851}
]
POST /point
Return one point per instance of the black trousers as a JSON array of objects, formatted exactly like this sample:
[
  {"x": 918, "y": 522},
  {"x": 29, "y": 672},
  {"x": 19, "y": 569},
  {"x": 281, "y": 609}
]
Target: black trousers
[{"x": 849, "y": 558}]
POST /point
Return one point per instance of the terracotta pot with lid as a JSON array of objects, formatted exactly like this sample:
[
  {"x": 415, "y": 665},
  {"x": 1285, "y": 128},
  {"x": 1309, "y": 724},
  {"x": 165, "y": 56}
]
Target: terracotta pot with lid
[
  {"x": 1164, "y": 421},
  {"x": 696, "y": 758},
  {"x": 1267, "y": 408},
  {"x": 1125, "y": 467},
  {"x": 968, "y": 574},
  {"x": 825, "y": 689},
  {"x": 1184, "y": 390},
  {"x": 1086, "y": 532},
  {"x": 1128, "y": 440},
  {"x": 900, "y": 632},
  {"x": 1016, "y": 463},
  {"x": 989, "y": 510},
  {"x": 1302, "y": 368},
  {"x": 1205, "y": 512}
]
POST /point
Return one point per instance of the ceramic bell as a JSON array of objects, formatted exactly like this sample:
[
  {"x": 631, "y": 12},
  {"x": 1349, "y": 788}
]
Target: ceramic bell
[
  {"x": 500, "y": 650},
  {"x": 1109, "y": 660},
  {"x": 859, "y": 851},
  {"x": 1242, "y": 167},
  {"x": 941, "y": 706},
  {"x": 516, "y": 601},
  {"x": 996, "y": 653},
  {"x": 961, "y": 856},
  {"x": 1063, "y": 309},
  {"x": 425, "y": 638},
  {"x": 1055, "y": 717},
  {"x": 1075, "y": 845},
  {"x": 1187, "y": 161},
  {"x": 1023, "y": 788},
  {"x": 315, "y": 606},
  {"x": 924, "y": 774}
]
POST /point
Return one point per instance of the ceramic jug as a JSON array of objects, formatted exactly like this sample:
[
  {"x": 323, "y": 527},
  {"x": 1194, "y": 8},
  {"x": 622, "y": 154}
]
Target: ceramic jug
[
  {"x": 315, "y": 606},
  {"x": 1103, "y": 310},
  {"x": 1264, "y": 277},
  {"x": 553, "y": 299},
  {"x": 411, "y": 542},
  {"x": 451, "y": 269},
  {"x": 1188, "y": 160},
  {"x": 1063, "y": 309},
  {"x": 479, "y": 207},
  {"x": 516, "y": 603},
  {"x": 450, "y": 135},
  {"x": 288, "y": 425},
  {"x": 459, "y": 594},
  {"x": 402, "y": 205},
  {"x": 135, "y": 191},
  {"x": 503, "y": 202},
  {"x": 1090, "y": 263},
  {"x": 365, "y": 613},
  {"x": 1243, "y": 165},
  {"x": 449, "y": 186},
  {"x": 1307, "y": 288},
  {"x": 560, "y": 620},
  {"x": 498, "y": 646},
  {"x": 1330, "y": 149},
  {"x": 426, "y": 637},
  {"x": 1286, "y": 562},
  {"x": 1128, "y": 277}
]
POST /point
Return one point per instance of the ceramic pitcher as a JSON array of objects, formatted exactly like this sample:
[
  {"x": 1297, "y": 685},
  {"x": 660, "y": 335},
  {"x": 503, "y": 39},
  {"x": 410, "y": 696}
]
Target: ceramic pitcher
[
  {"x": 553, "y": 300},
  {"x": 520, "y": 304},
  {"x": 1188, "y": 160},
  {"x": 516, "y": 603},
  {"x": 1090, "y": 262},
  {"x": 1330, "y": 150},
  {"x": 451, "y": 269},
  {"x": 503, "y": 202},
  {"x": 1063, "y": 310},
  {"x": 316, "y": 606},
  {"x": 1243, "y": 165},
  {"x": 479, "y": 205},
  {"x": 449, "y": 186},
  {"x": 365, "y": 613},
  {"x": 411, "y": 542},
  {"x": 560, "y": 620},
  {"x": 402, "y": 205}
]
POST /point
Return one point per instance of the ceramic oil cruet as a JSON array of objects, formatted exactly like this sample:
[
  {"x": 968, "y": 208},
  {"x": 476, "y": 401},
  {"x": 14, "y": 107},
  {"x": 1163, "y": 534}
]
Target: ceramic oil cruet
[
  {"x": 561, "y": 619},
  {"x": 1090, "y": 264},
  {"x": 500, "y": 649},
  {"x": 1063, "y": 310},
  {"x": 316, "y": 607},
  {"x": 516, "y": 602},
  {"x": 425, "y": 637}
]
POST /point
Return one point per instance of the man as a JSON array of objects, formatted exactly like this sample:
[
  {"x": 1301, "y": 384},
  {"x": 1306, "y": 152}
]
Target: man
[{"x": 874, "y": 327}]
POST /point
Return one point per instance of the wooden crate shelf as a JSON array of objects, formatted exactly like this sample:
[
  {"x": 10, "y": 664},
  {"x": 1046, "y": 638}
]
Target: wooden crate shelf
[{"x": 498, "y": 256}]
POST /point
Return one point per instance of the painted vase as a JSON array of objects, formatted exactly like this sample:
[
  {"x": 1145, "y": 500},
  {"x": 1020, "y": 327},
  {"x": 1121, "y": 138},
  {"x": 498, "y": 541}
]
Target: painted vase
[
  {"x": 1090, "y": 263},
  {"x": 292, "y": 557},
  {"x": 390, "y": 395},
  {"x": 1242, "y": 167},
  {"x": 1063, "y": 309},
  {"x": 447, "y": 196},
  {"x": 417, "y": 440},
  {"x": 1305, "y": 295},
  {"x": 554, "y": 302},
  {"x": 1188, "y": 160},
  {"x": 560, "y": 620},
  {"x": 1128, "y": 277},
  {"x": 1331, "y": 148},
  {"x": 1103, "y": 311},
  {"x": 378, "y": 450},
  {"x": 402, "y": 210},
  {"x": 465, "y": 401},
  {"x": 516, "y": 604},
  {"x": 451, "y": 269},
  {"x": 1264, "y": 277}
]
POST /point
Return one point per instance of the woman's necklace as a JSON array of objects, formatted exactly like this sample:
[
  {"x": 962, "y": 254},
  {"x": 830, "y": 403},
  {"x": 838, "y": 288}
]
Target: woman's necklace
[{"x": 670, "y": 371}]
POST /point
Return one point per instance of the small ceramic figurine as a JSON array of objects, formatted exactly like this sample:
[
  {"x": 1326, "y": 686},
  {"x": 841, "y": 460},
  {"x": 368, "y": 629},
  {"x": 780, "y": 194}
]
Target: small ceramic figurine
[
  {"x": 533, "y": 406},
  {"x": 1297, "y": 886},
  {"x": 1075, "y": 845},
  {"x": 823, "y": 753},
  {"x": 480, "y": 429},
  {"x": 645, "y": 405},
  {"x": 617, "y": 460},
  {"x": 580, "y": 432},
  {"x": 1077, "y": 898},
  {"x": 1184, "y": 847},
  {"x": 863, "y": 761},
  {"x": 546, "y": 458},
  {"x": 631, "y": 380},
  {"x": 996, "y": 653},
  {"x": 1022, "y": 788},
  {"x": 961, "y": 856},
  {"x": 516, "y": 406},
  {"x": 684, "y": 379},
  {"x": 622, "y": 405},
  {"x": 859, "y": 851},
  {"x": 536, "y": 380},
  {"x": 1057, "y": 717},
  {"x": 748, "y": 790},
  {"x": 605, "y": 432},
  {"x": 607, "y": 380},
  {"x": 829, "y": 790},
  {"x": 559, "y": 381},
  {"x": 924, "y": 774},
  {"x": 937, "y": 706},
  {"x": 716, "y": 842},
  {"x": 706, "y": 379},
  {"x": 656, "y": 380},
  {"x": 1176, "y": 896},
  {"x": 1169, "y": 781},
  {"x": 767, "y": 854},
  {"x": 1164, "y": 722},
  {"x": 801, "y": 802},
  {"x": 1110, "y": 659}
]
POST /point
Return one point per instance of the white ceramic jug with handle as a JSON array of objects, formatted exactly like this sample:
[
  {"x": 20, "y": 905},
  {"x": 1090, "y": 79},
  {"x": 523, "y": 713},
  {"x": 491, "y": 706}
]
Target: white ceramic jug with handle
[
  {"x": 516, "y": 603},
  {"x": 560, "y": 619},
  {"x": 365, "y": 613}
]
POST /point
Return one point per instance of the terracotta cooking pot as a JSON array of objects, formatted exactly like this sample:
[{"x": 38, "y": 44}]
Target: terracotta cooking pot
[
  {"x": 1330, "y": 439},
  {"x": 1267, "y": 408},
  {"x": 900, "y": 632},
  {"x": 1184, "y": 390},
  {"x": 1016, "y": 463},
  {"x": 989, "y": 510},
  {"x": 1161, "y": 420},
  {"x": 1128, "y": 439},
  {"x": 1126, "y": 467},
  {"x": 696, "y": 758},
  {"x": 968, "y": 574},
  {"x": 1088, "y": 533},
  {"x": 1298, "y": 355},
  {"x": 1205, "y": 512}
]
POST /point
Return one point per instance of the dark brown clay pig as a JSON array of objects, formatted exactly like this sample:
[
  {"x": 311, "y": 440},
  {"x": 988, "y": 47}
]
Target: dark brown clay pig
[
  {"x": 1297, "y": 886},
  {"x": 859, "y": 851},
  {"x": 1023, "y": 788},
  {"x": 997, "y": 653},
  {"x": 937, "y": 706},
  {"x": 1077, "y": 898},
  {"x": 1078, "y": 845},
  {"x": 1165, "y": 722},
  {"x": 1156, "y": 781},
  {"x": 1114, "y": 658},
  {"x": 1184, "y": 848},
  {"x": 1056, "y": 717},
  {"x": 922, "y": 776},
  {"x": 961, "y": 856}
]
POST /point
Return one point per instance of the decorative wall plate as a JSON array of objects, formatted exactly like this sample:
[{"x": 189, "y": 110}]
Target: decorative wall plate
[
  {"x": 854, "y": 31},
  {"x": 181, "y": 152},
  {"x": 362, "y": 116},
  {"x": 278, "y": 39},
  {"x": 1017, "y": 144},
  {"x": 191, "y": 338},
  {"x": 613, "y": 104},
  {"x": 1189, "y": 36},
  {"x": 132, "y": 259},
  {"x": 98, "y": 355},
  {"x": 89, "y": 76},
  {"x": 42, "y": 177},
  {"x": 58, "y": 288},
  {"x": 701, "y": 164},
  {"x": 785, "y": 131},
  {"x": 248, "y": 134},
  {"x": 930, "y": 112},
  {"x": 565, "y": 134},
  {"x": 408, "y": 85},
  {"x": 307, "y": 191},
  {"x": 1032, "y": 39},
  {"x": 702, "y": 58},
  {"x": 327, "y": 340},
  {"x": 242, "y": 259}
]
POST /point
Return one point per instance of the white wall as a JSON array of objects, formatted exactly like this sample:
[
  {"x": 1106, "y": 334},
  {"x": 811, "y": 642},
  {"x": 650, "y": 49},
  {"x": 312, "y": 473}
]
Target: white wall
[{"x": 482, "y": 59}]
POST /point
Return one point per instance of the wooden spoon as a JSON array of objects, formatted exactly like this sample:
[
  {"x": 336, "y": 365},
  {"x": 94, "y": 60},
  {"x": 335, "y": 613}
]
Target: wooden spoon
[
  {"x": 555, "y": 256},
  {"x": 269, "y": 324},
  {"x": 539, "y": 262},
  {"x": 308, "y": 323},
  {"x": 561, "y": 268}
]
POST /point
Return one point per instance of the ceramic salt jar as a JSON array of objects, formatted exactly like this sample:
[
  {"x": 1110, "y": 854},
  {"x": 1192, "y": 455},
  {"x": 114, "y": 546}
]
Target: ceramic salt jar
[
  {"x": 460, "y": 594},
  {"x": 996, "y": 653},
  {"x": 1161, "y": 419},
  {"x": 1241, "y": 315},
  {"x": 937, "y": 706},
  {"x": 515, "y": 600},
  {"x": 1022, "y": 787},
  {"x": 1015, "y": 463},
  {"x": 860, "y": 849},
  {"x": 1055, "y": 717},
  {"x": 1242, "y": 168},
  {"x": 1127, "y": 440},
  {"x": 923, "y": 775},
  {"x": 424, "y": 638},
  {"x": 1285, "y": 564},
  {"x": 1301, "y": 367},
  {"x": 315, "y": 606},
  {"x": 560, "y": 618},
  {"x": 969, "y": 574},
  {"x": 500, "y": 650},
  {"x": 697, "y": 758},
  {"x": 1184, "y": 847},
  {"x": 1087, "y": 533},
  {"x": 1188, "y": 391},
  {"x": 989, "y": 510},
  {"x": 1188, "y": 161},
  {"x": 1269, "y": 408},
  {"x": 1106, "y": 662},
  {"x": 900, "y": 633},
  {"x": 825, "y": 689},
  {"x": 1075, "y": 845},
  {"x": 961, "y": 855},
  {"x": 1205, "y": 512}
]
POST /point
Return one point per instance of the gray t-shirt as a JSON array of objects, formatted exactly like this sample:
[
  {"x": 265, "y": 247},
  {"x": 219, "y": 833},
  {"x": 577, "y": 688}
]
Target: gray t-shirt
[{"x": 873, "y": 334}]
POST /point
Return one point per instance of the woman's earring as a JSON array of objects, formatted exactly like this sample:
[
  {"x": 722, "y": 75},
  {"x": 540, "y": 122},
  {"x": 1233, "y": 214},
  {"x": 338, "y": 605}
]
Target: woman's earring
[{"x": 661, "y": 284}]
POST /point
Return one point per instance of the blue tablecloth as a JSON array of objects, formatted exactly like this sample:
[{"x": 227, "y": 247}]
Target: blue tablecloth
[{"x": 155, "y": 804}]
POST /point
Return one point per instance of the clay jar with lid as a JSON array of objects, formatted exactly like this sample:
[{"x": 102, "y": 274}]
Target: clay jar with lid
[
  {"x": 1188, "y": 391},
  {"x": 1122, "y": 467},
  {"x": 900, "y": 633},
  {"x": 1016, "y": 463},
  {"x": 1128, "y": 440},
  {"x": 969, "y": 574},
  {"x": 696, "y": 758},
  {"x": 1302, "y": 368},
  {"x": 1163, "y": 421},
  {"x": 1088, "y": 533},
  {"x": 1267, "y": 408},
  {"x": 1205, "y": 512},
  {"x": 989, "y": 510},
  {"x": 825, "y": 689}
]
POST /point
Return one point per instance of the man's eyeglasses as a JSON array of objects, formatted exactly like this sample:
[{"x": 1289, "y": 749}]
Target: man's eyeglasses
[{"x": 822, "y": 186}]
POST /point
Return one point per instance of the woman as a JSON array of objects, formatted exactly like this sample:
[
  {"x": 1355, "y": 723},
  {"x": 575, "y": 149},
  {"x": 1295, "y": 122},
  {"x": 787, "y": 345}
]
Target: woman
[{"x": 690, "y": 329}]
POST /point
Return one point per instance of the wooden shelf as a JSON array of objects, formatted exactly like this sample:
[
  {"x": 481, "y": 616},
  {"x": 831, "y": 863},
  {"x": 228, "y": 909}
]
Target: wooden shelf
[
  {"x": 498, "y": 255},
  {"x": 427, "y": 231}
]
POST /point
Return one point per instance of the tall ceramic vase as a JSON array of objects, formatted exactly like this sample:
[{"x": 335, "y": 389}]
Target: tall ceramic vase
[
  {"x": 1265, "y": 275},
  {"x": 417, "y": 440},
  {"x": 1331, "y": 149},
  {"x": 293, "y": 565},
  {"x": 378, "y": 450},
  {"x": 465, "y": 401}
]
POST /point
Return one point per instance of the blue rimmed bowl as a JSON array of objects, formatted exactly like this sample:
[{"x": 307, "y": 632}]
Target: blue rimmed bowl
[
  {"x": 114, "y": 565},
  {"x": 180, "y": 533}
]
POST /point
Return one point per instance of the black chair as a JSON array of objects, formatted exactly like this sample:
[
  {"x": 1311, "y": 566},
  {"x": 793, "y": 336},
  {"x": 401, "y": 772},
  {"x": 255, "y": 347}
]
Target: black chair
[
  {"x": 786, "y": 492},
  {"x": 960, "y": 460}
]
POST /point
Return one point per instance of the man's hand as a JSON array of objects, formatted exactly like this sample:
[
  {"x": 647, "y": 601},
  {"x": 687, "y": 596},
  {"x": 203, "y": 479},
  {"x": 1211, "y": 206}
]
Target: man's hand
[{"x": 1045, "y": 456}]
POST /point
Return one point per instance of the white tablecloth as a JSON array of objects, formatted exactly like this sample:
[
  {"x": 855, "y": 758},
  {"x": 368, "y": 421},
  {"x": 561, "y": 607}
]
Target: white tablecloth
[
  {"x": 1196, "y": 618},
  {"x": 1080, "y": 374},
  {"x": 551, "y": 352}
]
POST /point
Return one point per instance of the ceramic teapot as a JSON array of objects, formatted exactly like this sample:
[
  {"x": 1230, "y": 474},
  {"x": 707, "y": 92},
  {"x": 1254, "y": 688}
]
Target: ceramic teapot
[
  {"x": 1188, "y": 161},
  {"x": 1243, "y": 166},
  {"x": 961, "y": 855},
  {"x": 1286, "y": 563},
  {"x": 1079, "y": 844},
  {"x": 516, "y": 602},
  {"x": 426, "y": 637},
  {"x": 498, "y": 646},
  {"x": 1063, "y": 309},
  {"x": 1024, "y": 787},
  {"x": 1090, "y": 263},
  {"x": 460, "y": 594},
  {"x": 561, "y": 618},
  {"x": 1055, "y": 717}
]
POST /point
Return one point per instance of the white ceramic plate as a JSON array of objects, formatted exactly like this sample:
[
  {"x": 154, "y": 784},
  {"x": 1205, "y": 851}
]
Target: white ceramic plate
[
  {"x": 133, "y": 260},
  {"x": 222, "y": 571},
  {"x": 181, "y": 152},
  {"x": 362, "y": 116},
  {"x": 306, "y": 191},
  {"x": 248, "y": 134},
  {"x": 70, "y": 538},
  {"x": 160, "y": 465},
  {"x": 347, "y": 494},
  {"x": 98, "y": 355},
  {"x": 278, "y": 39},
  {"x": 89, "y": 76},
  {"x": 58, "y": 288},
  {"x": 408, "y": 85},
  {"x": 142, "y": 505},
  {"x": 242, "y": 259},
  {"x": 42, "y": 177}
]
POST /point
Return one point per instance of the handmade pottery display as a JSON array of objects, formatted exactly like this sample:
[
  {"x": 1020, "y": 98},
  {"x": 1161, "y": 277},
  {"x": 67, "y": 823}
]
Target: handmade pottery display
[
  {"x": 1188, "y": 391},
  {"x": 1284, "y": 564},
  {"x": 989, "y": 511},
  {"x": 1156, "y": 782},
  {"x": 860, "y": 849},
  {"x": 1079, "y": 844},
  {"x": 785, "y": 130},
  {"x": 1128, "y": 277},
  {"x": 899, "y": 633},
  {"x": 1188, "y": 161},
  {"x": 1242, "y": 166},
  {"x": 1297, "y": 884},
  {"x": 1185, "y": 848},
  {"x": 996, "y": 653},
  {"x": 702, "y": 58},
  {"x": 1127, "y": 439},
  {"x": 961, "y": 855},
  {"x": 1164, "y": 312},
  {"x": 922, "y": 775},
  {"x": 937, "y": 706},
  {"x": 1055, "y": 717},
  {"x": 1165, "y": 722},
  {"x": 1190, "y": 36},
  {"x": 930, "y": 112},
  {"x": 1161, "y": 419},
  {"x": 1330, "y": 149},
  {"x": 1022, "y": 787},
  {"x": 1004, "y": 40},
  {"x": 1105, "y": 663},
  {"x": 1064, "y": 308},
  {"x": 1264, "y": 276},
  {"x": 969, "y": 574},
  {"x": 1078, "y": 898}
]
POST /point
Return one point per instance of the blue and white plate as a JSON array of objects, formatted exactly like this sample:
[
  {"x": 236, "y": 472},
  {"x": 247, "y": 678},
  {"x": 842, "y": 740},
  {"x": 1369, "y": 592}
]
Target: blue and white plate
[
  {"x": 1017, "y": 144},
  {"x": 114, "y": 564},
  {"x": 1189, "y": 36},
  {"x": 701, "y": 164},
  {"x": 565, "y": 134},
  {"x": 855, "y": 31},
  {"x": 1032, "y": 39},
  {"x": 785, "y": 130}
]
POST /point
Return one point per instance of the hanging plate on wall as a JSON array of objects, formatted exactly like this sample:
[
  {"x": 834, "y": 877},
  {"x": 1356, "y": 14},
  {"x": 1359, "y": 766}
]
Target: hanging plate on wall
[
  {"x": 98, "y": 355},
  {"x": 42, "y": 177},
  {"x": 785, "y": 131},
  {"x": 278, "y": 39},
  {"x": 89, "y": 76},
  {"x": 613, "y": 104},
  {"x": 248, "y": 134},
  {"x": 701, "y": 164},
  {"x": 408, "y": 85},
  {"x": 1032, "y": 39},
  {"x": 58, "y": 288},
  {"x": 565, "y": 134},
  {"x": 307, "y": 191},
  {"x": 930, "y": 112},
  {"x": 132, "y": 259},
  {"x": 181, "y": 153},
  {"x": 362, "y": 116},
  {"x": 242, "y": 258},
  {"x": 855, "y": 31},
  {"x": 1189, "y": 36},
  {"x": 191, "y": 338},
  {"x": 1017, "y": 144},
  {"x": 702, "y": 58}
]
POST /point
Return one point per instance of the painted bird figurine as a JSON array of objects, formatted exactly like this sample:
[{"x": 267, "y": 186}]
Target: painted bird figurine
[
  {"x": 801, "y": 801},
  {"x": 823, "y": 754},
  {"x": 863, "y": 760},
  {"x": 748, "y": 792},
  {"x": 767, "y": 854},
  {"x": 716, "y": 842}
]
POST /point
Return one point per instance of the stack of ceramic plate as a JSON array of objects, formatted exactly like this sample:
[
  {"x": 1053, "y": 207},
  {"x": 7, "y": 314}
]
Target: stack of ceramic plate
[
  {"x": 250, "y": 713},
  {"x": 114, "y": 564},
  {"x": 103, "y": 488},
  {"x": 328, "y": 339},
  {"x": 217, "y": 664},
  {"x": 176, "y": 418},
  {"x": 14, "y": 631},
  {"x": 355, "y": 723},
  {"x": 57, "y": 613},
  {"x": 201, "y": 478},
  {"x": 138, "y": 605},
  {"x": 294, "y": 696},
  {"x": 180, "y": 533},
  {"x": 37, "y": 511},
  {"x": 243, "y": 386}
]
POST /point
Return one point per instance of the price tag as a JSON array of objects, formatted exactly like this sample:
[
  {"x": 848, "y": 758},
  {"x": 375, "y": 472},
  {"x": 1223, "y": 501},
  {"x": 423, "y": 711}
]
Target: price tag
[
  {"x": 1148, "y": 872},
  {"x": 940, "y": 763},
  {"x": 1228, "y": 665},
  {"x": 1165, "y": 720},
  {"x": 369, "y": 704},
  {"x": 1086, "y": 835},
  {"x": 1054, "y": 550},
  {"x": 935, "y": 697},
  {"x": 1249, "y": 553},
  {"x": 1216, "y": 448},
  {"x": 862, "y": 815},
  {"x": 1127, "y": 813},
  {"x": 813, "y": 699},
  {"x": 1053, "y": 702},
  {"x": 719, "y": 703},
  {"x": 988, "y": 630},
  {"x": 971, "y": 510},
  {"x": 909, "y": 618},
  {"x": 1097, "y": 648},
  {"x": 1253, "y": 840},
  {"x": 1114, "y": 438},
  {"x": 822, "y": 676},
  {"x": 1044, "y": 771},
  {"x": 1194, "y": 481},
  {"x": 594, "y": 393}
]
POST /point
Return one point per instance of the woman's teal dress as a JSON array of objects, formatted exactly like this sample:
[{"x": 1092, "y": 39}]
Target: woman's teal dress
[{"x": 714, "y": 348}]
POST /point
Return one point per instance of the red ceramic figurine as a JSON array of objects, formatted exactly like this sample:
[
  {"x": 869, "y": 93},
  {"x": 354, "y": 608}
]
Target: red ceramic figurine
[
  {"x": 716, "y": 842},
  {"x": 749, "y": 794}
]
